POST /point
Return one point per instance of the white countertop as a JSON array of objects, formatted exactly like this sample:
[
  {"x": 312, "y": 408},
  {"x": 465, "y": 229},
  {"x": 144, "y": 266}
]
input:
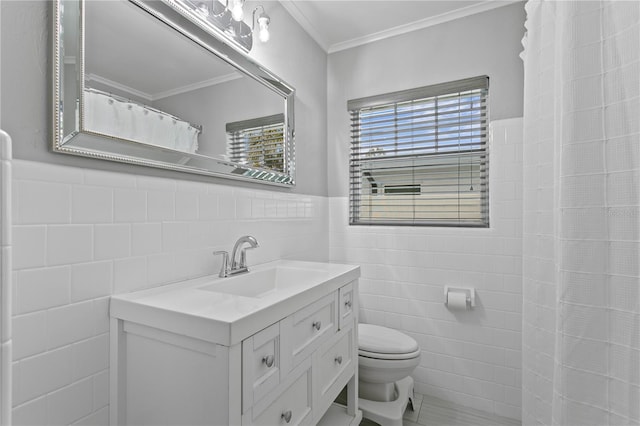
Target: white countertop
[{"x": 185, "y": 308}]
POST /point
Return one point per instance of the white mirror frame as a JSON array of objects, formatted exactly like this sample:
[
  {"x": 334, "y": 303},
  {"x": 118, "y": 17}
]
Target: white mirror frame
[{"x": 82, "y": 142}]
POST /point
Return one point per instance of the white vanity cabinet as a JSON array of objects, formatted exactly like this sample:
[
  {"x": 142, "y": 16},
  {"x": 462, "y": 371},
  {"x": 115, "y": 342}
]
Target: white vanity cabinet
[{"x": 287, "y": 372}]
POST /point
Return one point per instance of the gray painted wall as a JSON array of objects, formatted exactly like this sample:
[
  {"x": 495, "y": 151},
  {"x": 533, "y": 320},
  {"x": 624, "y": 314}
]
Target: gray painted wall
[
  {"x": 482, "y": 44},
  {"x": 26, "y": 92},
  {"x": 323, "y": 86},
  {"x": 244, "y": 98}
]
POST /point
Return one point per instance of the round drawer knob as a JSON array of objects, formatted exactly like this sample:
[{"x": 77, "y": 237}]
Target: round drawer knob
[
  {"x": 268, "y": 360},
  {"x": 347, "y": 303},
  {"x": 317, "y": 325},
  {"x": 339, "y": 359},
  {"x": 286, "y": 416}
]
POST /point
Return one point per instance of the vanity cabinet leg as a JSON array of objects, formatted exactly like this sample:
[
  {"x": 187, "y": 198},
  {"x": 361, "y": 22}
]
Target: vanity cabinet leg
[{"x": 352, "y": 396}]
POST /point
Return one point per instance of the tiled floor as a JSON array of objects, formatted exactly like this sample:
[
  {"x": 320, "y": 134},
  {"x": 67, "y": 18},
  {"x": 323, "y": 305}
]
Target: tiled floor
[{"x": 429, "y": 411}]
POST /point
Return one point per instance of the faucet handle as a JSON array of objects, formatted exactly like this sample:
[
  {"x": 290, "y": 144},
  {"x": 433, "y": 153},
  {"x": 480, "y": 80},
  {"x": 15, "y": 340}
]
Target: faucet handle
[{"x": 224, "y": 268}]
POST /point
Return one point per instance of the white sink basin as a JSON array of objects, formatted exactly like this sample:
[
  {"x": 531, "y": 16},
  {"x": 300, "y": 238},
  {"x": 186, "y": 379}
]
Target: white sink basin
[
  {"x": 225, "y": 311},
  {"x": 261, "y": 283}
]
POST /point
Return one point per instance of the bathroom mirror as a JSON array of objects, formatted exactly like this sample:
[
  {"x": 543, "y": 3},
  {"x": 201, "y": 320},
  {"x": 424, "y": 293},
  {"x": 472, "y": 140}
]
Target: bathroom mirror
[{"x": 145, "y": 82}]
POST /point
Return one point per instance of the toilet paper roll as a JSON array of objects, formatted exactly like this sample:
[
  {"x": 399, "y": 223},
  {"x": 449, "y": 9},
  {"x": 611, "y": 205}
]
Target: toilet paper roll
[{"x": 457, "y": 300}]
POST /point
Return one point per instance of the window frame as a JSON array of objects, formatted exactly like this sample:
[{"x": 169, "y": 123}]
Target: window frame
[{"x": 391, "y": 100}]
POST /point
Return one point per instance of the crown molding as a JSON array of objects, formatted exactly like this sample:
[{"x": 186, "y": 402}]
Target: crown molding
[
  {"x": 149, "y": 97},
  {"x": 421, "y": 24},
  {"x": 199, "y": 85},
  {"x": 307, "y": 26},
  {"x": 124, "y": 88},
  {"x": 294, "y": 11}
]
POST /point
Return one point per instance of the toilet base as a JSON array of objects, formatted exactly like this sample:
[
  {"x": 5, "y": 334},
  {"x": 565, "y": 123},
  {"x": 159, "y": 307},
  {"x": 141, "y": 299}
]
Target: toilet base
[
  {"x": 381, "y": 392},
  {"x": 389, "y": 413}
]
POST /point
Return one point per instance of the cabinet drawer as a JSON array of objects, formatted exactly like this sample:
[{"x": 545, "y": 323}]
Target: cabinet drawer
[
  {"x": 260, "y": 364},
  {"x": 336, "y": 365},
  {"x": 304, "y": 331},
  {"x": 346, "y": 305},
  {"x": 293, "y": 403}
]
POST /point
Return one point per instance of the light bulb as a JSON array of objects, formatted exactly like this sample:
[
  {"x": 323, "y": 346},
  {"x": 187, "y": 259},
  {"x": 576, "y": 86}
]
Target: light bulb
[
  {"x": 237, "y": 13},
  {"x": 203, "y": 8},
  {"x": 263, "y": 33}
]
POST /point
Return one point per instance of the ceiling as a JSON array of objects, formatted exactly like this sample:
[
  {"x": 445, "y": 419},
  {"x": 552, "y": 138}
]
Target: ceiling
[{"x": 341, "y": 24}]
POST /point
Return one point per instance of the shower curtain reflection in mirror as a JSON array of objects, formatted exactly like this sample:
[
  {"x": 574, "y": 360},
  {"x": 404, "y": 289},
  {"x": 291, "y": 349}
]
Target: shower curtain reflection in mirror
[{"x": 108, "y": 114}]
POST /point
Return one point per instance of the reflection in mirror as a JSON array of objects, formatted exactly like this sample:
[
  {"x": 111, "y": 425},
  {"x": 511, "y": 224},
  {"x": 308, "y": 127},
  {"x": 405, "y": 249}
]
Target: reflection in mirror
[
  {"x": 258, "y": 142},
  {"x": 157, "y": 93}
]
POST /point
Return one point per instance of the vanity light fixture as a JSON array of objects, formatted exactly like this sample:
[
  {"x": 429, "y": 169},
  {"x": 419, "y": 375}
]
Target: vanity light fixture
[
  {"x": 211, "y": 10},
  {"x": 237, "y": 12},
  {"x": 263, "y": 24},
  {"x": 226, "y": 18},
  {"x": 203, "y": 8}
]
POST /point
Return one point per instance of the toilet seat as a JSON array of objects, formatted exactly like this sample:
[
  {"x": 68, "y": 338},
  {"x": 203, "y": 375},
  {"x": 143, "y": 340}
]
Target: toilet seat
[
  {"x": 379, "y": 342},
  {"x": 376, "y": 355}
]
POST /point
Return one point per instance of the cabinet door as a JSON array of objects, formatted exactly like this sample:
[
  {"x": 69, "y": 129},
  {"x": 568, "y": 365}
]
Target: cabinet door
[
  {"x": 260, "y": 365},
  {"x": 304, "y": 331},
  {"x": 346, "y": 305},
  {"x": 335, "y": 366}
]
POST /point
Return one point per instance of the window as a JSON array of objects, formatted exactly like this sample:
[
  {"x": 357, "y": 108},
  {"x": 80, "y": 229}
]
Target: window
[
  {"x": 258, "y": 142},
  {"x": 419, "y": 157}
]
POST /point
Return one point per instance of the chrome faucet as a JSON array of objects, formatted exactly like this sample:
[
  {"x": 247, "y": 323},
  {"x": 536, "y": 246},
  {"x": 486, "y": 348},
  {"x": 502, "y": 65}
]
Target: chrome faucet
[{"x": 235, "y": 265}]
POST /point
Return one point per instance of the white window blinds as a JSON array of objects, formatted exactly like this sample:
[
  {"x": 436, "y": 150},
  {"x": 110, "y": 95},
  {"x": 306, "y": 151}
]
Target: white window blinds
[
  {"x": 257, "y": 142},
  {"x": 419, "y": 157}
]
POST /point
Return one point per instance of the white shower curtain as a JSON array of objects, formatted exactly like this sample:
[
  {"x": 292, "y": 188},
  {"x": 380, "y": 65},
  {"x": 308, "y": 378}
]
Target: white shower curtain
[{"x": 581, "y": 312}]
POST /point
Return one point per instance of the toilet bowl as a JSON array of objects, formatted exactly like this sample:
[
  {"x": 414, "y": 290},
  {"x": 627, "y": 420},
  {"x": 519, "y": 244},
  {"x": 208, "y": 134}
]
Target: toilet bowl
[{"x": 386, "y": 358}]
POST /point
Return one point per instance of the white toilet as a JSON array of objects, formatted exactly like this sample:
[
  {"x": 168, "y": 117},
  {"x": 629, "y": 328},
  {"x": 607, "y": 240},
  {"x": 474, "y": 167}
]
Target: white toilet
[{"x": 386, "y": 358}]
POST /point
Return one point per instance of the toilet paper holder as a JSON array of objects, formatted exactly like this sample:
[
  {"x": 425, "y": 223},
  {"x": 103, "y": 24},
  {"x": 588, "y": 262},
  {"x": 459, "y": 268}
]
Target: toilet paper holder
[{"x": 470, "y": 293}]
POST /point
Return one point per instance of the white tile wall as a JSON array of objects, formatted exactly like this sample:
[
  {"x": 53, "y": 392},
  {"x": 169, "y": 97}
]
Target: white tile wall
[
  {"x": 81, "y": 235},
  {"x": 472, "y": 357},
  {"x": 6, "y": 277}
]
